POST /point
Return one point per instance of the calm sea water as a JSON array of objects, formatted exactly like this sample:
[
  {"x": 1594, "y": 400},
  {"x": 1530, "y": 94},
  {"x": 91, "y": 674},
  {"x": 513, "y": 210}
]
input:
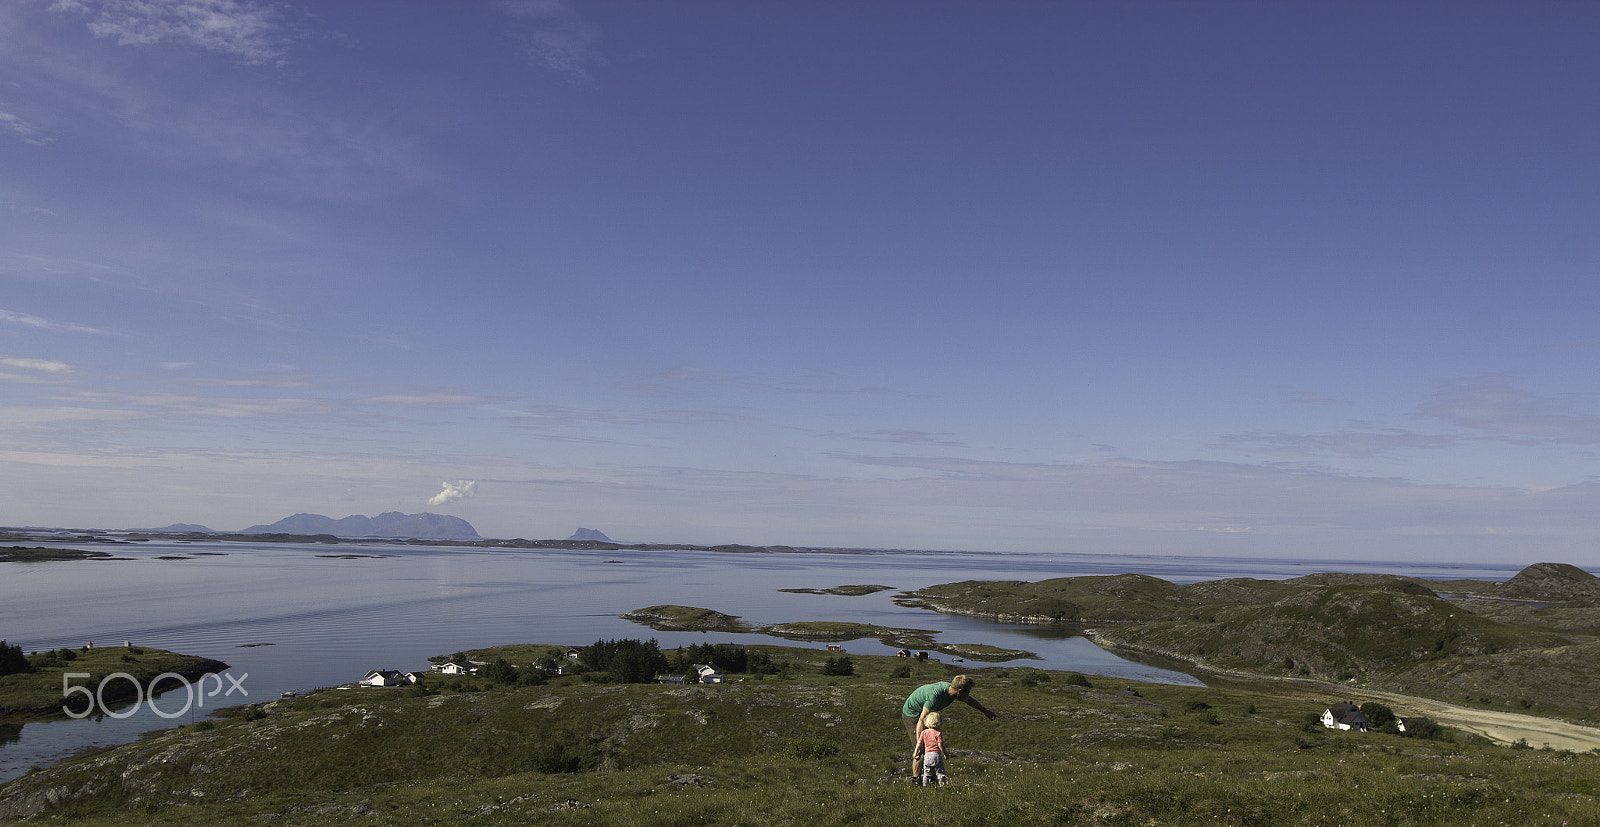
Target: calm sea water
[{"x": 295, "y": 617}]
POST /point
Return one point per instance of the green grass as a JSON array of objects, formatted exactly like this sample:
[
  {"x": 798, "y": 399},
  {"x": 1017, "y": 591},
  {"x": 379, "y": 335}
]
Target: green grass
[
  {"x": 39, "y": 693},
  {"x": 810, "y": 749},
  {"x": 1374, "y": 630}
]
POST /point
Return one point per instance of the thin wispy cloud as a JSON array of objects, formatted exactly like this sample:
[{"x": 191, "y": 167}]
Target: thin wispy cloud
[
  {"x": 685, "y": 375},
  {"x": 1310, "y": 398},
  {"x": 42, "y": 365},
  {"x": 1349, "y": 443},
  {"x": 22, "y": 129},
  {"x": 284, "y": 382},
  {"x": 896, "y": 435},
  {"x": 25, "y": 417},
  {"x": 29, "y": 320},
  {"x": 558, "y": 416},
  {"x": 1185, "y": 495},
  {"x": 557, "y": 36},
  {"x": 818, "y": 383},
  {"x": 235, "y": 407},
  {"x": 438, "y": 400},
  {"x": 252, "y": 33},
  {"x": 1494, "y": 406}
]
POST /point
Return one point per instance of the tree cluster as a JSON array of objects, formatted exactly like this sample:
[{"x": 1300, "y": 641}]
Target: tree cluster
[
  {"x": 841, "y": 666},
  {"x": 12, "y": 661},
  {"x": 50, "y": 659},
  {"x": 731, "y": 658},
  {"x": 624, "y": 661}
]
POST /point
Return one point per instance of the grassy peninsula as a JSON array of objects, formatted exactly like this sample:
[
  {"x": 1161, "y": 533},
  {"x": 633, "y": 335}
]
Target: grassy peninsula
[
  {"x": 38, "y": 692},
  {"x": 800, "y": 747}
]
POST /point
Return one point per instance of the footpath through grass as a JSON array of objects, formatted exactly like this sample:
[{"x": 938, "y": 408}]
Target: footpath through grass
[{"x": 802, "y": 748}]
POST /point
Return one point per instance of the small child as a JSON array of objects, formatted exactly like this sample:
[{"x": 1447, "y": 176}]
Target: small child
[{"x": 930, "y": 745}]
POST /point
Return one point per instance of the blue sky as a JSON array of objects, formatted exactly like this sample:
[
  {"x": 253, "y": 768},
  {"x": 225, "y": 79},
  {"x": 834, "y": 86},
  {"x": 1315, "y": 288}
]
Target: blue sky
[{"x": 1256, "y": 278}]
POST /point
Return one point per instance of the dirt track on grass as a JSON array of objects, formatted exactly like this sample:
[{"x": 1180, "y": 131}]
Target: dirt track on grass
[{"x": 1499, "y": 727}]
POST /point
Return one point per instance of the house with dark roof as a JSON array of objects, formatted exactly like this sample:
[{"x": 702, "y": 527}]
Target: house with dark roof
[
  {"x": 390, "y": 677},
  {"x": 1344, "y": 715}
]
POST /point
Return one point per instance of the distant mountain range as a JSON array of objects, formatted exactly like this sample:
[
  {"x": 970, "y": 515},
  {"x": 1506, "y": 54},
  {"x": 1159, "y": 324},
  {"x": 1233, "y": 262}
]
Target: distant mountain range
[
  {"x": 392, "y": 525},
  {"x": 179, "y": 528},
  {"x": 389, "y": 524}
]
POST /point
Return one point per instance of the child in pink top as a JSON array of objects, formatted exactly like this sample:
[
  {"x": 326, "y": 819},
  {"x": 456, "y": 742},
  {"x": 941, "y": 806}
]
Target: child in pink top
[{"x": 930, "y": 745}]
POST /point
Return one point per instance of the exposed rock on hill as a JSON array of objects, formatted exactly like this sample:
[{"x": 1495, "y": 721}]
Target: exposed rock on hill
[{"x": 1552, "y": 581}]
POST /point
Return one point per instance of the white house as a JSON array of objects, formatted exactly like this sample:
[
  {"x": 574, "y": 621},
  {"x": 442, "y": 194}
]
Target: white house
[
  {"x": 1344, "y": 716},
  {"x": 709, "y": 673},
  {"x": 456, "y": 669},
  {"x": 390, "y": 677}
]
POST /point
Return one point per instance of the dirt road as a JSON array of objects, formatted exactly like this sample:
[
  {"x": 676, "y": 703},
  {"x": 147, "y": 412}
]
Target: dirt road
[{"x": 1500, "y": 727}]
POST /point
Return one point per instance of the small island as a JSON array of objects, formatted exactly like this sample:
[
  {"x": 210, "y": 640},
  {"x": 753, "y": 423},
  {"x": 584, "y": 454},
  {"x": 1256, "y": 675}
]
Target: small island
[
  {"x": 693, "y": 619},
  {"x": 686, "y": 619},
  {"x": 845, "y": 591},
  {"x": 41, "y": 554}
]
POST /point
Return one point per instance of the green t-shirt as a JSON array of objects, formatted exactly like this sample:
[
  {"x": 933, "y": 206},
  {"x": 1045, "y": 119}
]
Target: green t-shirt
[{"x": 930, "y": 695}]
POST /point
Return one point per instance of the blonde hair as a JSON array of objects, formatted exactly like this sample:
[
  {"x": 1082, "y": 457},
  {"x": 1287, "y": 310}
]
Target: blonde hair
[
  {"x": 931, "y": 722},
  {"x": 961, "y": 684}
]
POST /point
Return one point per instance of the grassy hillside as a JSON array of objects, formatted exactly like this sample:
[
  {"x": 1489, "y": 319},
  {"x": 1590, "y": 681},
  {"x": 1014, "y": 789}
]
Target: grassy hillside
[
  {"x": 803, "y": 749},
  {"x": 1527, "y": 644}
]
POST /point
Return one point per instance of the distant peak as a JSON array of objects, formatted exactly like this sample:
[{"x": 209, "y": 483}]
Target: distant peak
[
  {"x": 590, "y": 534},
  {"x": 423, "y": 526}
]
